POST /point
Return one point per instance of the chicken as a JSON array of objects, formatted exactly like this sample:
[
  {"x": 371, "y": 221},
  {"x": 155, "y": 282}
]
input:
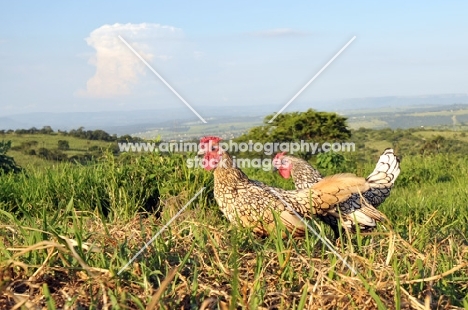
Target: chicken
[
  {"x": 302, "y": 173},
  {"x": 252, "y": 203},
  {"x": 305, "y": 176}
]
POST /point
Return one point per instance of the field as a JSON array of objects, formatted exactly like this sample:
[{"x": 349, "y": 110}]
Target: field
[
  {"x": 69, "y": 230},
  {"x": 454, "y": 117},
  {"x": 18, "y": 151},
  {"x": 227, "y": 127}
]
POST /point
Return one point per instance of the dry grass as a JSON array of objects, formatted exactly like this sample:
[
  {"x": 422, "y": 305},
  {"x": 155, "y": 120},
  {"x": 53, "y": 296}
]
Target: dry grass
[{"x": 285, "y": 279}]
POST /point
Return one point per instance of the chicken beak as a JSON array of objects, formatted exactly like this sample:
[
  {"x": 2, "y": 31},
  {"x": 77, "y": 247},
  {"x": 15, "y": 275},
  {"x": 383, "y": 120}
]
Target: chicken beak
[
  {"x": 274, "y": 169},
  {"x": 200, "y": 152}
]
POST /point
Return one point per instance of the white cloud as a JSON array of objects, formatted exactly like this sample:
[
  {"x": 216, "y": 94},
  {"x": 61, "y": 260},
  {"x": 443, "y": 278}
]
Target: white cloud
[
  {"x": 278, "y": 32},
  {"x": 117, "y": 68}
]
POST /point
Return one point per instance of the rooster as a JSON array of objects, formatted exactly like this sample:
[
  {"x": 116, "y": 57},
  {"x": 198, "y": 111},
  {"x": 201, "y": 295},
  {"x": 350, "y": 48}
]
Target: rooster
[
  {"x": 305, "y": 176},
  {"x": 252, "y": 204}
]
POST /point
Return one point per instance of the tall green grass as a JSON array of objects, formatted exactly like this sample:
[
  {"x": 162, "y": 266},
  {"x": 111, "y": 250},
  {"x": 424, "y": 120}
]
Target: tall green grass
[{"x": 69, "y": 229}]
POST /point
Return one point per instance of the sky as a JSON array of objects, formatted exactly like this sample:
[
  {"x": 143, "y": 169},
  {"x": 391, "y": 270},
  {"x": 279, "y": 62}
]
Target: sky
[{"x": 66, "y": 56}]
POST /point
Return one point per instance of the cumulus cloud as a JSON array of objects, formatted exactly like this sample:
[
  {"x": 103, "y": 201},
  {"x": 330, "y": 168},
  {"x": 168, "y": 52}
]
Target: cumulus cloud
[
  {"x": 278, "y": 32},
  {"x": 117, "y": 68}
]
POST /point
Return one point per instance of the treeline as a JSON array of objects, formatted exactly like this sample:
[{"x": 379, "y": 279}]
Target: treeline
[{"x": 97, "y": 135}]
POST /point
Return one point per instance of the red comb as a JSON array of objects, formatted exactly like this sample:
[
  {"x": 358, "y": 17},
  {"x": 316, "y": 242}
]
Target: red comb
[
  {"x": 280, "y": 154},
  {"x": 207, "y": 139}
]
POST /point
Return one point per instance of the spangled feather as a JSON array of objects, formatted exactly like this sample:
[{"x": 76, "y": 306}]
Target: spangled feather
[
  {"x": 379, "y": 183},
  {"x": 341, "y": 185}
]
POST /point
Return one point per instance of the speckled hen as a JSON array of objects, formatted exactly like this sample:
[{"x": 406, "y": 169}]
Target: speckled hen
[{"x": 305, "y": 176}]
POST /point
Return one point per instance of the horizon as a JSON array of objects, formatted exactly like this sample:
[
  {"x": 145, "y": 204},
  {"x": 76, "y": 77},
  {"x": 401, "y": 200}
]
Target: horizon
[
  {"x": 301, "y": 107},
  {"x": 151, "y": 123}
]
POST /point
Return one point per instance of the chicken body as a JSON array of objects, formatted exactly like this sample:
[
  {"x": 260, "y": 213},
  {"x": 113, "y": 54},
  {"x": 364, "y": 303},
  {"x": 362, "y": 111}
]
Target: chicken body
[
  {"x": 250, "y": 203},
  {"x": 253, "y": 204},
  {"x": 305, "y": 176}
]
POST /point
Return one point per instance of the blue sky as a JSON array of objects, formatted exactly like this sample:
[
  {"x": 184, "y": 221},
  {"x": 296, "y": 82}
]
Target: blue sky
[{"x": 65, "y": 56}]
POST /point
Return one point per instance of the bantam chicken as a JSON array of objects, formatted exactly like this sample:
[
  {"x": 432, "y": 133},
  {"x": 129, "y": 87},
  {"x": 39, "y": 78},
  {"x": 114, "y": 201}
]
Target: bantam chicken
[
  {"x": 252, "y": 203},
  {"x": 305, "y": 176},
  {"x": 302, "y": 173}
]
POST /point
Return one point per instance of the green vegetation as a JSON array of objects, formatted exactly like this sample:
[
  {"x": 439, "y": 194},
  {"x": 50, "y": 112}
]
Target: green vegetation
[
  {"x": 7, "y": 163},
  {"x": 45, "y": 147},
  {"x": 310, "y": 126},
  {"x": 67, "y": 229}
]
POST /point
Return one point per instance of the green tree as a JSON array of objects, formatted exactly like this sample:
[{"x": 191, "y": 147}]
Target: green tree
[
  {"x": 7, "y": 163},
  {"x": 310, "y": 125},
  {"x": 47, "y": 130}
]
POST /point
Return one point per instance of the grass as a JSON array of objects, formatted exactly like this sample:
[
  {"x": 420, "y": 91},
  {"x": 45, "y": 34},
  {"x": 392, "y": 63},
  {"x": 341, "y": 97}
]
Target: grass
[
  {"x": 442, "y": 113},
  {"x": 68, "y": 230},
  {"x": 369, "y": 122},
  {"x": 446, "y": 134},
  {"x": 50, "y": 141}
]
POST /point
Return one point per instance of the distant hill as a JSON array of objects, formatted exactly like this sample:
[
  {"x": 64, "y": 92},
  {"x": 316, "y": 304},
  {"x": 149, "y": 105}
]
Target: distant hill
[
  {"x": 9, "y": 123},
  {"x": 401, "y": 102},
  {"x": 374, "y": 112}
]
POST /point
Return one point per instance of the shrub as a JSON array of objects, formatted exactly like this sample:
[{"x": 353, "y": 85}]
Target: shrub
[
  {"x": 7, "y": 163},
  {"x": 63, "y": 145}
]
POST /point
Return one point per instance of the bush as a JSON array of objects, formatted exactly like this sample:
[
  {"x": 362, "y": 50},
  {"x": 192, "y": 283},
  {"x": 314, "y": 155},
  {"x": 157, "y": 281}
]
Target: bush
[
  {"x": 52, "y": 154},
  {"x": 331, "y": 162},
  {"x": 63, "y": 145},
  {"x": 7, "y": 163}
]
